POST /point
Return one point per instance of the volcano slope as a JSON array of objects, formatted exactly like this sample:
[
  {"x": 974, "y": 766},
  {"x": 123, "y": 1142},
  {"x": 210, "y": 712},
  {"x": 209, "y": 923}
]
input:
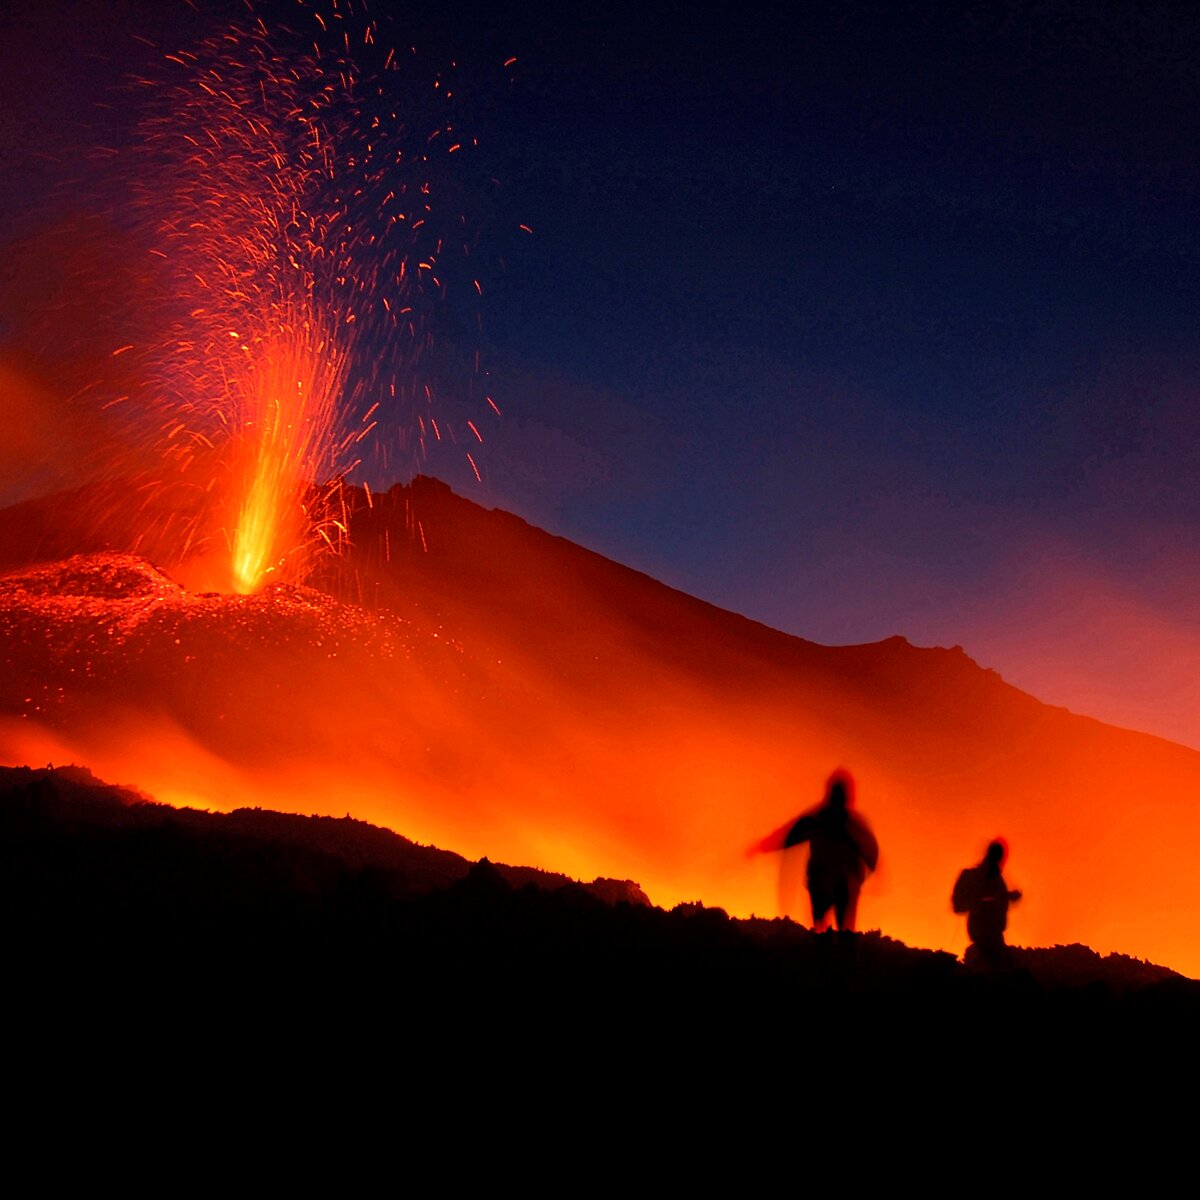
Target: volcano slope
[
  {"x": 101, "y": 884},
  {"x": 473, "y": 682}
]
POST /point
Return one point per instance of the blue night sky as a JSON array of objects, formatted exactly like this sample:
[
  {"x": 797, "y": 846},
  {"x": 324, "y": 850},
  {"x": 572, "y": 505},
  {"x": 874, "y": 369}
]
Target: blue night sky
[{"x": 859, "y": 319}]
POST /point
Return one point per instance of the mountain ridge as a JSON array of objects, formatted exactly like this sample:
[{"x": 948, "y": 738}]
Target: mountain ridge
[{"x": 490, "y": 687}]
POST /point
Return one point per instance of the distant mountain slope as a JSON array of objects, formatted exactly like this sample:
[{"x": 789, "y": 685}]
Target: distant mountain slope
[
  {"x": 482, "y": 685},
  {"x": 72, "y": 799}
]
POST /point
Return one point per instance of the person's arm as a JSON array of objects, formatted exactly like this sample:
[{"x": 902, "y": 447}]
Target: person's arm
[
  {"x": 801, "y": 831},
  {"x": 781, "y": 839}
]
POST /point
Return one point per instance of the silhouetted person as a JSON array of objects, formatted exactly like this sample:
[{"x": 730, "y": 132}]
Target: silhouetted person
[
  {"x": 981, "y": 893},
  {"x": 842, "y": 852}
]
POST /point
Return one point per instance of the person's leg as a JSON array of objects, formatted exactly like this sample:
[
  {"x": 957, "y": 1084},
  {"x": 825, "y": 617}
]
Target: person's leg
[
  {"x": 822, "y": 905},
  {"x": 847, "y": 909}
]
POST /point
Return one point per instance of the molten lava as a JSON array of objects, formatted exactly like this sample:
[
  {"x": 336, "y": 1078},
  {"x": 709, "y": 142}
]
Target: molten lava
[
  {"x": 272, "y": 282},
  {"x": 289, "y": 424}
]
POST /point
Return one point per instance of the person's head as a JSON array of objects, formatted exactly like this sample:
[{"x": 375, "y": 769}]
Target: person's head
[
  {"x": 839, "y": 789},
  {"x": 997, "y": 853}
]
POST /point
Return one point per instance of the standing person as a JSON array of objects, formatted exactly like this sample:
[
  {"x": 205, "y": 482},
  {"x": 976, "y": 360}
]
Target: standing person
[
  {"x": 842, "y": 852},
  {"x": 981, "y": 893}
]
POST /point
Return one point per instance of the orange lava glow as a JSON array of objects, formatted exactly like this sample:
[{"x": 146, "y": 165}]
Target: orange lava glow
[
  {"x": 456, "y": 675},
  {"x": 265, "y": 299},
  {"x": 289, "y": 422},
  {"x": 499, "y": 692}
]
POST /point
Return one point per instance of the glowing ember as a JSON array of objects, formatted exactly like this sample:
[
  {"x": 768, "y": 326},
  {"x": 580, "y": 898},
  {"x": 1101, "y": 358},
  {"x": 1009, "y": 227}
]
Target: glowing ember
[{"x": 297, "y": 191}]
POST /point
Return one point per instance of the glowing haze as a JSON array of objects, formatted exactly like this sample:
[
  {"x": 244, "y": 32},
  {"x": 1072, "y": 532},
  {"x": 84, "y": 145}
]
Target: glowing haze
[
  {"x": 857, "y": 319},
  {"x": 507, "y": 693},
  {"x": 747, "y": 407}
]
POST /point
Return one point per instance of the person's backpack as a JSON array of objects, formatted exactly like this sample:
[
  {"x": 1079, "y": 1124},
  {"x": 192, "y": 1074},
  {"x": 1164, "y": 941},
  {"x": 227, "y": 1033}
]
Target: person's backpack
[{"x": 966, "y": 890}]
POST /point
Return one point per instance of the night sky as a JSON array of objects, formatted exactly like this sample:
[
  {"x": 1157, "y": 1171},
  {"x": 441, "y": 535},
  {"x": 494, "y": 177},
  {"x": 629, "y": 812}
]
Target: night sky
[{"x": 858, "y": 319}]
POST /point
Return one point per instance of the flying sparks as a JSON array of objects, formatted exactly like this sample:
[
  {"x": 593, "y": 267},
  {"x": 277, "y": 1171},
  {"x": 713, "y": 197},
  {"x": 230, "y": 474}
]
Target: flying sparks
[{"x": 305, "y": 196}]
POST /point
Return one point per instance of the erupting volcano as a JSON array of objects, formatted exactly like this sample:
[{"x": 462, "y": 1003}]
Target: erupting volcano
[
  {"x": 219, "y": 610},
  {"x": 299, "y": 285},
  {"x": 494, "y": 690}
]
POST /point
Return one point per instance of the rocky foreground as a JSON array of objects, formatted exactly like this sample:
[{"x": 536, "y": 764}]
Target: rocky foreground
[
  {"x": 288, "y": 976},
  {"x": 101, "y": 886}
]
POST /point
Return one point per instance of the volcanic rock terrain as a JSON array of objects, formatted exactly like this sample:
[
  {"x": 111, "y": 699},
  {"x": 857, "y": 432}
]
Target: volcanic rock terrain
[{"x": 476, "y": 683}]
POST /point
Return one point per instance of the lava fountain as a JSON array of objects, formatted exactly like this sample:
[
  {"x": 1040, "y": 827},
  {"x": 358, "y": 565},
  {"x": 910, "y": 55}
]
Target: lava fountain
[
  {"x": 303, "y": 196},
  {"x": 289, "y": 422}
]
